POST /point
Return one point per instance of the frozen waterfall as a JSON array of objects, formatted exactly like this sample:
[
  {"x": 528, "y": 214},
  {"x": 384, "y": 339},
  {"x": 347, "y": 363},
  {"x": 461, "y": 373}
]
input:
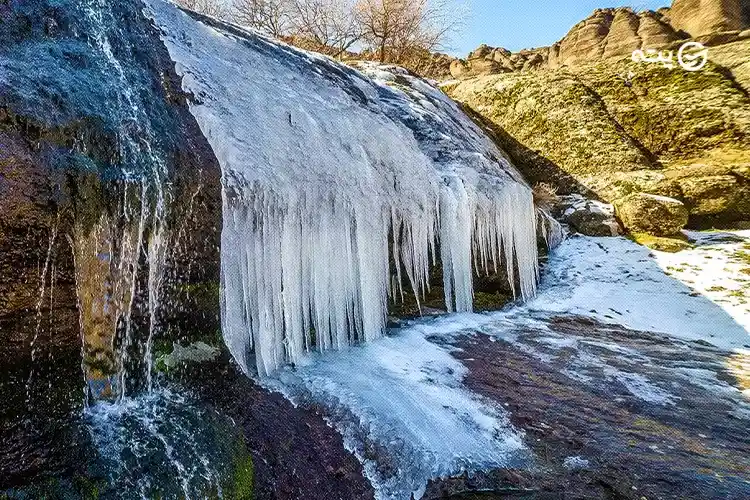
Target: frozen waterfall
[{"x": 338, "y": 189}]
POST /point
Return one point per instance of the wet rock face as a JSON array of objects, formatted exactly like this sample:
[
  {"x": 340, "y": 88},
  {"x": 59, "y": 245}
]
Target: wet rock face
[
  {"x": 613, "y": 413},
  {"x": 296, "y": 453},
  {"x": 70, "y": 145}
]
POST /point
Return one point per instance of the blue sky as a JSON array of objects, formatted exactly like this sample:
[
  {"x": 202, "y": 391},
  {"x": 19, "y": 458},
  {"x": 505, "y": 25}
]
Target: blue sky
[{"x": 518, "y": 24}]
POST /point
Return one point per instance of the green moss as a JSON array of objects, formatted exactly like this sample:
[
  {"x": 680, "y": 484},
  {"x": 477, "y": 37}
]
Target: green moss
[
  {"x": 661, "y": 244},
  {"x": 89, "y": 489},
  {"x": 742, "y": 256},
  {"x": 239, "y": 484},
  {"x": 490, "y": 301},
  {"x": 243, "y": 480}
]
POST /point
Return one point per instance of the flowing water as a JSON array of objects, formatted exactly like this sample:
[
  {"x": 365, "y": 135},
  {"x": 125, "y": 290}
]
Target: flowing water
[
  {"x": 112, "y": 252},
  {"x": 164, "y": 445}
]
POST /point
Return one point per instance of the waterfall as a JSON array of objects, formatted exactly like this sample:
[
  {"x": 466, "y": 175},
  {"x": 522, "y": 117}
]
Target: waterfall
[
  {"x": 328, "y": 178},
  {"x": 110, "y": 249}
]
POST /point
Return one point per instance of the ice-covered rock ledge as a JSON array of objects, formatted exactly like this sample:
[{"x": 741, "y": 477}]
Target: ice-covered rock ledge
[{"x": 329, "y": 176}]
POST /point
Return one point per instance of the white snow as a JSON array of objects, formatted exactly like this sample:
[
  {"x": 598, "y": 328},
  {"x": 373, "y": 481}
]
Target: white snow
[
  {"x": 617, "y": 281},
  {"x": 714, "y": 270},
  {"x": 326, "y": 174},
  {"x": 639, "y": 386}
]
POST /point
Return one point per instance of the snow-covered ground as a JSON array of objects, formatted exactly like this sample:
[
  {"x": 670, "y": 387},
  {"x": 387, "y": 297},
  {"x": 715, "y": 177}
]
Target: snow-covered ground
[
  {"x": 694, "y": 294},
  {"x": 718, "y": 268}
]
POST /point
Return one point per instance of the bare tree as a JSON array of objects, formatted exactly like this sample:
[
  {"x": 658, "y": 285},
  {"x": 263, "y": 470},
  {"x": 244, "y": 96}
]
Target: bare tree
[
  {"x": 330, "y": 24},
  {"x": 214, "y": 8},
  {"x": 394, "y": 29},
  {"x": 273, "y": 17}
]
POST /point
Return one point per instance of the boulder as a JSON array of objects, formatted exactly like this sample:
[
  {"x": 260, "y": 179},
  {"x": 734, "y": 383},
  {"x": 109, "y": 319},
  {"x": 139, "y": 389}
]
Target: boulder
[
  {"x": 716, "y": 195},
  {"x": 481, "y": 52},
  {"x": 652, "y": 214},
  {"x": 484, "y": 67},
  {"x": 589, "y": 217}
]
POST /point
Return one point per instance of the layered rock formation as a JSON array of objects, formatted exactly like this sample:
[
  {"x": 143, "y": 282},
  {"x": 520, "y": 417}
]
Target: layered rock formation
[
  {"x": 610, "y": 34},
  {"x": 703, "y": 17}
]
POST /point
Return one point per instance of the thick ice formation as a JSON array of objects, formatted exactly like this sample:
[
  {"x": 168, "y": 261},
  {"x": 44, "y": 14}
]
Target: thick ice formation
[
  {"x": 403, "y": 410},
  {"x": 330, "y": 178}
]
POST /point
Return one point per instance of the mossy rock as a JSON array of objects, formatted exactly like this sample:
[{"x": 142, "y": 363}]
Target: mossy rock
[
  {"x": 240, "y": 485},
  {"x": 652, "y": 214},
  {"x": 616, "y": 127},
  {"x": 661, "y": 244}
]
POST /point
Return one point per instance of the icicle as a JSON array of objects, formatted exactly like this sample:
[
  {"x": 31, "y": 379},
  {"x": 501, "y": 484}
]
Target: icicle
[{"x": 328, "y": 178}]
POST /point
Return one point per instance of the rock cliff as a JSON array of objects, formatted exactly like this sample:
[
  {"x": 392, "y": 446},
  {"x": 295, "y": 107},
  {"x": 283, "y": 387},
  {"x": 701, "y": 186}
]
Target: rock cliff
[
  {"x": 614, "y": 33},
  {"x": 619, "y": 127}
]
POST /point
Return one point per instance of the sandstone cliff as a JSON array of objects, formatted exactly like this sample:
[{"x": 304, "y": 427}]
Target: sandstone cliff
[{"x": 610, "y": 34}]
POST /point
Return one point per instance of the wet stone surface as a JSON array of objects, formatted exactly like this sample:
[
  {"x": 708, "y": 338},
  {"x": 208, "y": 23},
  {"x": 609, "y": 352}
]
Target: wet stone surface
[
  {"x": 296, "y": 454},
  {"x": 612, "y": 413}
]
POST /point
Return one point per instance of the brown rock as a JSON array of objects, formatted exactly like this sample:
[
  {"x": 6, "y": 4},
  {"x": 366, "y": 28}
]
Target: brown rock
[
  {"x": 702, "y": 17},
  {"x": 585, "y": 42},
  {"x": 459, "y": 68},
  {"x": 655, "y": 31},
  {"x": 484, "y": 67},
  {"x": 651, "y": 214},
  {"x": 481, "y": 52},
  {"x": 718, "y": 38},
  {"x": 717, "y": 194},
  {"x": 623, "y": 38}
]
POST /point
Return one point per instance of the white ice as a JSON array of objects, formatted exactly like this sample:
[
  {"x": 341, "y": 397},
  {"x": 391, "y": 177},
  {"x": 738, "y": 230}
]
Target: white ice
[
  {"x": 402, "y": 409},
  {"x": 327, "y": 176}
]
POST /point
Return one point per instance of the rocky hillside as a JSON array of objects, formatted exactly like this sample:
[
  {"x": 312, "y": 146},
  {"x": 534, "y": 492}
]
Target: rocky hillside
[
  {"x": 611, "y": 34},
  {"x": 590, "y": 120}
]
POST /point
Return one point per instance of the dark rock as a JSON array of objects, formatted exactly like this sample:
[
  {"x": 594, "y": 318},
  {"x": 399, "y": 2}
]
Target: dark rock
[
  {"x": 61, "y": 172},
  {"x": 686, "y": 439}
]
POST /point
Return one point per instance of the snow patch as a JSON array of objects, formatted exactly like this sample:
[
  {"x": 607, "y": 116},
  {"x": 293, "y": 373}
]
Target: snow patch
[{"x": 620, "y": 282}]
